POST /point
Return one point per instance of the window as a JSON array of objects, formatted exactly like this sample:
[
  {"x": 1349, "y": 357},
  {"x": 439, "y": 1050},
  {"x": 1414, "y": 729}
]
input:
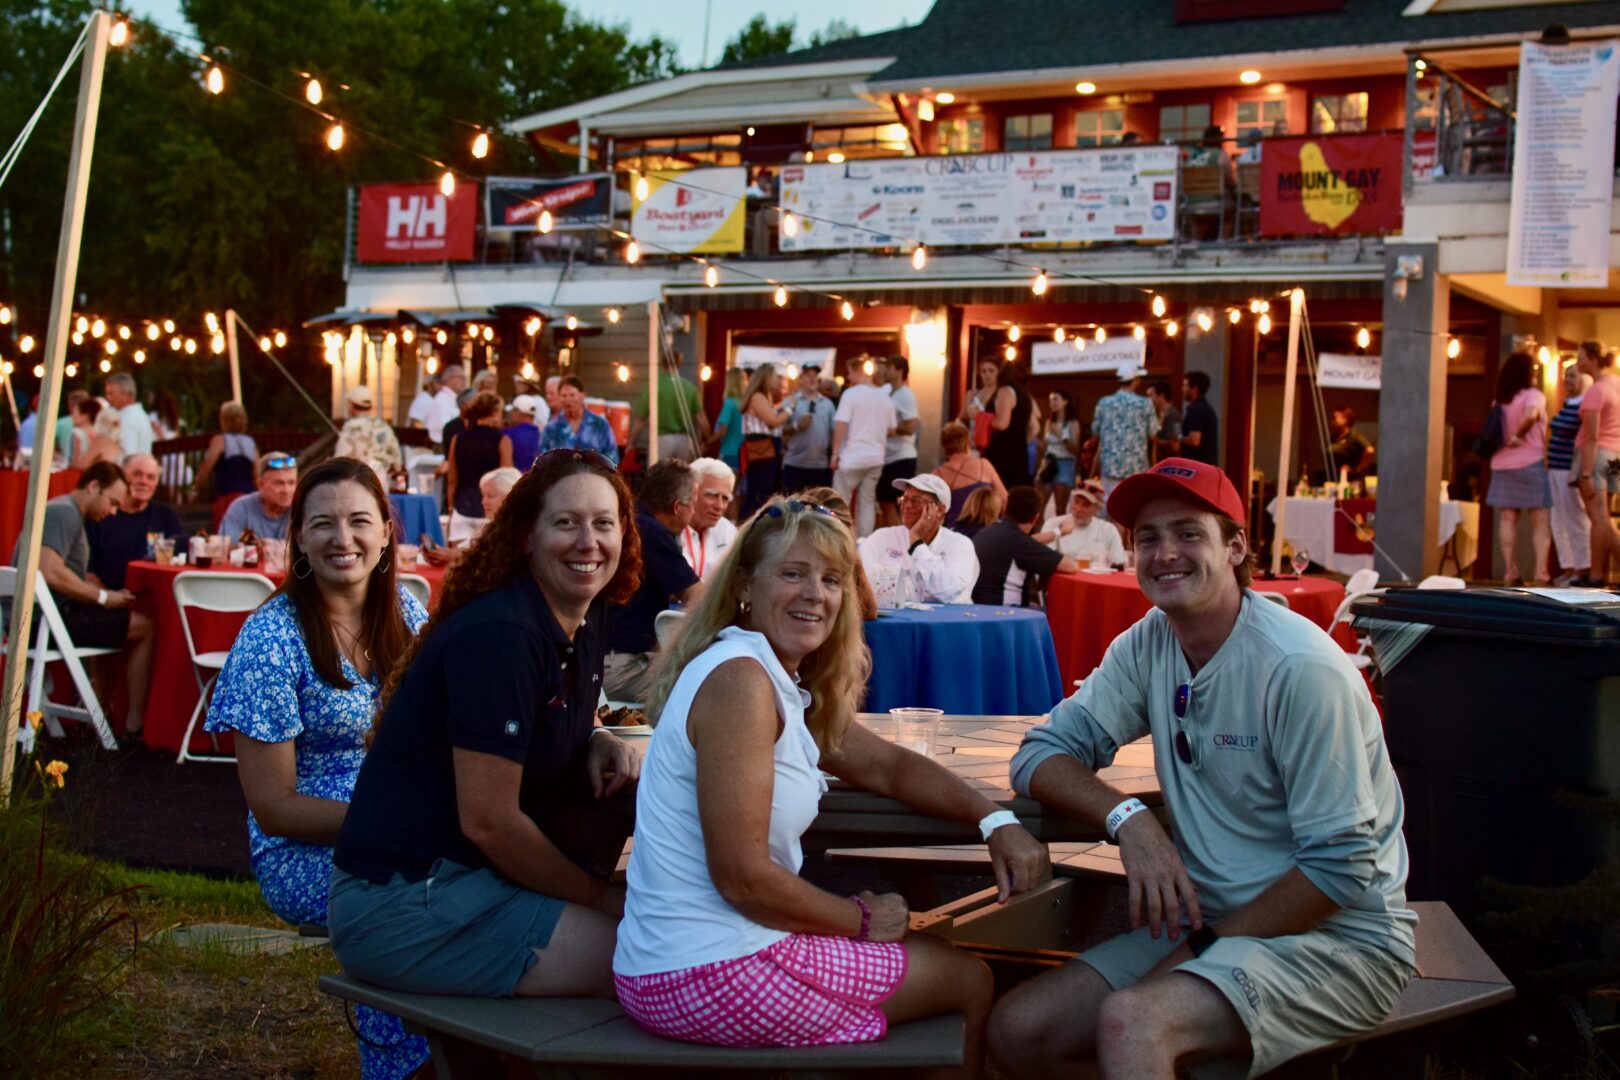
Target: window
[
  {"x": 1100, "y": 127},
  {"x": 961, "y": 135},
  {"x": 1339, "y": 114},
  {"x": 1262, "y": 116},
  {"x": 866, "y": 141},
  {"x": 1033, "y": 132},
  {"x": 1182, "y": 123},
  {"x": 680, "y": 152}
]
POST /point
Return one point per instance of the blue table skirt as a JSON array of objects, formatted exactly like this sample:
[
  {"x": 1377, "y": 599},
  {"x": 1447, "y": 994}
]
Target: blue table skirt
[
  {"x": 963, "y": 658},
  {"x": 417, "y": 514}
]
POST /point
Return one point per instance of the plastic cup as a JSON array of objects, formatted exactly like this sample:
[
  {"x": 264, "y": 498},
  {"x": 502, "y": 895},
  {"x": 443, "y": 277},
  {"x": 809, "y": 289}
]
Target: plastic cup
[
  {"x": 917, "y": 730},
  {"x": 163, "y": 550},
  {"x": 1082, "y": 562}
]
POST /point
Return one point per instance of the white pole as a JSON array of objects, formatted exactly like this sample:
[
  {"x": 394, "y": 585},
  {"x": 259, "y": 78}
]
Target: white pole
[
  {"x": 1296, "y": 307},
  {"x": 652, "y": 383},
  {"x": 236, "y": 361},
  {"x": 56, "y": 338},
  {"x": 16, "y": 420}
]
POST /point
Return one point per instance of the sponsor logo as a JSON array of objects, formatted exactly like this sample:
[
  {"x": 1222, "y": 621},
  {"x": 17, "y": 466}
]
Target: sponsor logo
[
  {"x": 415, "y": 217},
  {"x": 1159, "y": 212},
  {"x": 1161, "y": 190},
  {"x": 1251, "y": 993},
  {"x": 1176, "y": 470},
  {"x": 683, "y": 196},
  {"x": 1235, "y": 742}
]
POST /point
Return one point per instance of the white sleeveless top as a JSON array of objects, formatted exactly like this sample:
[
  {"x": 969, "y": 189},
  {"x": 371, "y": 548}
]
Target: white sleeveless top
[{"x": 674, "y": 917}]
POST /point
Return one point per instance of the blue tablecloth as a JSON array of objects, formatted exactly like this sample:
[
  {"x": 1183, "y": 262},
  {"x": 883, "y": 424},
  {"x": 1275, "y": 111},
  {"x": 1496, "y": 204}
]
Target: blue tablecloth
[
  {"x": 417, "y": 514},
  {"x": 963, "y": 658}
]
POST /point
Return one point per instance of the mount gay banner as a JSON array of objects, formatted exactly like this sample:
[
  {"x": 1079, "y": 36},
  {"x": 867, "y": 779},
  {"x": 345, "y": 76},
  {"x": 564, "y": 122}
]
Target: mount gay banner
[
  {"x": 702, "y": 214},
  {"x": 1078, "y": 355},
  {"x": 1563, "y": 165},
  {"x": 1330, "y": 184},
  {"x": 514, "y": 203},
  {"x": 1350, "y": 371},
  {"x": 1116, "y": 193},
  {"x": 416, "y": 223}
]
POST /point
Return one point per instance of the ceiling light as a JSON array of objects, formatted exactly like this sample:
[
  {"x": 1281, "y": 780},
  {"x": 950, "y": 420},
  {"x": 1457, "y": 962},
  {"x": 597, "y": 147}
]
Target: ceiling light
[
  {"x": 1249, "y": 78},
  {"x": 944, "y": 97},
  {"x": 1085, "y": 88}
]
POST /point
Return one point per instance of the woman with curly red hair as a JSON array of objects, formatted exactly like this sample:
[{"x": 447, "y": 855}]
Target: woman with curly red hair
[{"x": 466, "y": 863}]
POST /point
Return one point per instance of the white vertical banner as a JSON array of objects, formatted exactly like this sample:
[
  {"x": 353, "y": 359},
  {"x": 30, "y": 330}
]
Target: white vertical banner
[{"x": 1563, "y": 165}]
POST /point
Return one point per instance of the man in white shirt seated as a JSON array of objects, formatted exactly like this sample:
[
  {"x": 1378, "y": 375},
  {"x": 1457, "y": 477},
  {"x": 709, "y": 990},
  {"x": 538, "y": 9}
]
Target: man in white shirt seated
[
  {"x": 1081, "y": 534},
  {"x": 942, "y": 564},
  {"x": 709, "y": 536}
]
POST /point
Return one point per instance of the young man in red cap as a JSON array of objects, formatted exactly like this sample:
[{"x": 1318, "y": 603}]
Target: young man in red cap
[{"x": 1275, "y": 920}]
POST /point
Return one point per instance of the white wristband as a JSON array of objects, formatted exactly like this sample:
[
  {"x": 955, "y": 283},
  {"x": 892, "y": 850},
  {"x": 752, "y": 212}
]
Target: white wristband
[
  {"x": 995, "y": 820},
  {"x": 1120, "y": 814},
  {"x": 101, "y": 598}
]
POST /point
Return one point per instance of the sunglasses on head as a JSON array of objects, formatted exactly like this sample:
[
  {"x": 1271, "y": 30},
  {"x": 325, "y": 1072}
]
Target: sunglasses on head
[
  {"x": 281, "y": 461},
  {"x": 795, "y": 506},
  {"x": 569, "y": 454}
]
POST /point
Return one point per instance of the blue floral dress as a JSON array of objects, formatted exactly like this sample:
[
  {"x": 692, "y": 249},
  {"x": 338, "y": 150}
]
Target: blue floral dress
[{"x": 269, "y": 691}]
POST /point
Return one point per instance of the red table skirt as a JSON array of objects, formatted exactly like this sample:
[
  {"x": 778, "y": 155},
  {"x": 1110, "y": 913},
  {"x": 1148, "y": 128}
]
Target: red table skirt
[
  {"x": 14, "y": 500},
  {"x": 1088, "y": 611},
  {"x": 174, "y": 685}
]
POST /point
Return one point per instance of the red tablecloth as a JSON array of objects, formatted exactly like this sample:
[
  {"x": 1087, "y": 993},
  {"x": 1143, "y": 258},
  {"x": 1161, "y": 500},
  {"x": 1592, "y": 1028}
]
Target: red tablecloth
[
  {"x": 1088, "y": 611},
  {"x": 14, "y": 498},
  {"x": 174, "y": 686}
]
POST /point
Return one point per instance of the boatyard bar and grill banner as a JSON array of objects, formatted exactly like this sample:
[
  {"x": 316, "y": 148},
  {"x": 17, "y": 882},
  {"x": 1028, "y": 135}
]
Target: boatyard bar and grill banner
[
  {"x": 416, "y": 223},
  {"x": 1330, "y": 185},
  {"x": 691, "y": 212},
  {"x": 1113, "y": 194},
  {"x": 515, "y": 203}
]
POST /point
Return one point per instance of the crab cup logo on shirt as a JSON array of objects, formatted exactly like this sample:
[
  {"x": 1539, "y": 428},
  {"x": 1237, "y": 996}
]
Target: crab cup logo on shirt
[{"x": 1235, "y": 742}]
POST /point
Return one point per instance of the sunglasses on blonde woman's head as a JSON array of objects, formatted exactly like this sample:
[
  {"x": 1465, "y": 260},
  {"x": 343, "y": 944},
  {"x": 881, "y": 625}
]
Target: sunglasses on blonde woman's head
[{"x": 794, "y": 506}]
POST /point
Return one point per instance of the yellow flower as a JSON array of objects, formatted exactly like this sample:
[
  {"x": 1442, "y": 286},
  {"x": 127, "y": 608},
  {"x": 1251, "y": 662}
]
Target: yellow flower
[
  {"x": 55, "y": 770},
  {"x": 33, "y": 718}
]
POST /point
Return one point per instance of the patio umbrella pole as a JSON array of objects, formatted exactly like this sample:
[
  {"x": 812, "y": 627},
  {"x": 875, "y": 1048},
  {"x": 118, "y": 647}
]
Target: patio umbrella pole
[
  {"x": 1296, "y": 307},
  {"x": 56, "y": 339}
]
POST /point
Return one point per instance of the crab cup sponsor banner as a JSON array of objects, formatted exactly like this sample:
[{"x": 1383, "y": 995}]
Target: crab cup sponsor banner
[
  {"x": 1349, "y": 371},
  {"x": 691, "y": 211},
  {"x": 515, "y": 203},
  {"x": 1049, "y": 196},
  {"x": 1563, "y": 165},
  {"x": 416, "y": 223},
  {"x": 1081, "y": 355},
  {"x": 1330, "y": 185}
]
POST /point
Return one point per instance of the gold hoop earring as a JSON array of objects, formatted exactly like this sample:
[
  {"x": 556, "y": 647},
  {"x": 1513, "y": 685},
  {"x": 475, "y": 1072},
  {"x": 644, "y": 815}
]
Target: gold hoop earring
[{"x": 743, "y": 606}]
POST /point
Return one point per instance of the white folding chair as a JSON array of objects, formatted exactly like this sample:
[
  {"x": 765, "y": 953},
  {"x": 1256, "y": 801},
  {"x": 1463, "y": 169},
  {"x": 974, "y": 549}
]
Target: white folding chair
[
  {"x": 666, "y": 624},
  {"x": 52, "y": 643},
  {"x": 1441, "y": 581},
  {"x": 215, "y": 591},
  {"x": 417, "y": 586},
  {"x": 1361, "y": 582}
]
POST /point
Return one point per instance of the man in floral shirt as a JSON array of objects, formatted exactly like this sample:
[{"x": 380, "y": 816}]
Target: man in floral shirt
[
  {"x": 368, "y": 438},
  {"x": 574, "y": 427},
  {"x": 1124, "y": 423}
]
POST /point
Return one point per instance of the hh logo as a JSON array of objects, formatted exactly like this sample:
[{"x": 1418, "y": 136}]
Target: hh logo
[
  {"x": 684, "y": 196},
  {"x": 416, "y": 217}
]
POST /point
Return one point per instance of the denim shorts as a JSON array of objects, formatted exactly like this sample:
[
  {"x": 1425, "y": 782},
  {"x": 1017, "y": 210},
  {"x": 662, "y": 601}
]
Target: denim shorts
[
  {"x": 457, "y": 931},
  {"x": 1065, "y": 473}
]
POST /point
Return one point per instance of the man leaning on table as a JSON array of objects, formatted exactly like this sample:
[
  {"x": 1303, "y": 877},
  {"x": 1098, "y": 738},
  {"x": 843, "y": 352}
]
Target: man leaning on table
[
  {"x": 941, "y": 564},
  {"x": 1275, "y": 921}
]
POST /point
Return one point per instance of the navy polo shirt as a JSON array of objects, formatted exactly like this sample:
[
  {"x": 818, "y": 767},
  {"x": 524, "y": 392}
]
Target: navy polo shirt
[
  {"x": 497, "y": 677},
  {"x": 1200, "y": 417},
  {"x": 119, "y": 540},
  {"x": 665, "y": 573}
]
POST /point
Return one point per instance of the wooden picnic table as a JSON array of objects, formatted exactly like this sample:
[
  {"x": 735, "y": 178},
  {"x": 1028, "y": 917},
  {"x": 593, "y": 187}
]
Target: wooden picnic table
[{"x": 979, "y": 749}]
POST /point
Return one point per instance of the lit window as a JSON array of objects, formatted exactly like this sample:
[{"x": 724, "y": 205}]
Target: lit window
[
  {"x": 1262, "y": 116},
  {"x": 1099, "y": 127},
  {"x": 865, "y": 141},
  {"x": 1032, "y": 132},
  {"x": 961, "y": 135},
  {"x": 1339, "y": 113},
  {"x": 1182, "y": 123}
]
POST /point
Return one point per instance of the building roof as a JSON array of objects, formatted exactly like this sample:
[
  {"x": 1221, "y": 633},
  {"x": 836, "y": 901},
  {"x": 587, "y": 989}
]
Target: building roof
[{"x": 883, "y": 43}]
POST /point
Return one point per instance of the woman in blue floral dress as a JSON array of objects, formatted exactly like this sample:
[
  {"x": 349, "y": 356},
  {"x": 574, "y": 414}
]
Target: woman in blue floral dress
[{"x": 299, "y": 689}]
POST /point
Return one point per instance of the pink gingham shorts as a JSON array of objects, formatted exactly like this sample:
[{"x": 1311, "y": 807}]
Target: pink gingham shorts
[{"x": 805, "y": 990}]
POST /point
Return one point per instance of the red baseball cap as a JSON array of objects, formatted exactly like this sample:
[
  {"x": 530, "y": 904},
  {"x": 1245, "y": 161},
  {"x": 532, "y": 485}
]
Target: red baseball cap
[{"x": 1178, "y": 478}]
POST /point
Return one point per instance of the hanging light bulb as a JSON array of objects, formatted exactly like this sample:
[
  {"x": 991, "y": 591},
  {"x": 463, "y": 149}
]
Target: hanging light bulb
[
  {"x": 711, "y": 276},
  {"x": 191, "y": 346},
  {"x": 624, "y": 373},
  {"x": 447, "y": 184},
  {"x": 5, "y": 314},
  {"x": 280, "y": 338},
  {"x": 632, "y": 253},
  {"x": 6, "y": 367},
  {"x": 1014, "y": 332},
  {"x": 440, "y": 336},
  {"x": 1363, "y": 338},
  {"x": 1139, "y": 332},
  {"x": 869, "y": 367},
  {"x": 123, "y": 333},
  {"x": 919, "y": 256},
  {"x": 489, "y": 333},
  {"x": 98, "y": 328},
  {"x": 573, "y": 322},
  {"x": 1172, "y": 328},
  {"x": 781, "y": 296},
  {"x": 140, "y": 356},
  {"x": 790, "y": 224},
  {"x": 118, "y": 36},
  {"x": 111, "y": 346},
  {"x": 1234, "y": 316},
  {"x": 1010, "y": 353},
  {"x": 211, "y": 321},
  {"x": 1100, "y": 336},
  {"x": 25, "y": 344},
  {"x": 153, "y": 331},
  {"x": 847, "y": 310},
  {"x": 1544, "y": 355},
  {"x": 705, "y": 373},
  {"x": 1038, "y": 286},
  {"x": 264, "y": 344},
  {"x": 544, "y": 224},
  {"x": 217, "y": 343},
  {"x": 168, "y": 326},
  {"x": 613, "y": 315},
  {"x": 106, "y": 366},
  {"x": 1265, "y": 323},
  {"x": 1265, "y": 306},
  {"x": 1159, "y": 307},
  {"x": 312, "y": 91},
  {"x": 175, "y": 344},
  {"x": 642, "y": 188},
  {"x": 334, "y": 137},
  {"x": 480, "y": 145},
  {"x": 1205, "y": 321},
  {"x": 39, "y": 371},
  {"x": 215, "y": 80},
  {"x": 1060, "y": 335},
  {"x": 527, "y": 370},
  {"x": 1254, "y": 307},
  {"x": 1453, "y": 348},
  {"x": 81, "y": 324},
  {"x": 71, "y": 371},
  {"x": 532, "y": 326}
]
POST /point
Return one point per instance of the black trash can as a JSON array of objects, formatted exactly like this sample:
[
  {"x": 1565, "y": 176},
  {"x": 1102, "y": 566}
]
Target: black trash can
[{"x": 1509, "y": 703}]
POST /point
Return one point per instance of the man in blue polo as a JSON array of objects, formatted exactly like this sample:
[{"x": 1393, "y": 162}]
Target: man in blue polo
[{"x": 1274, "y": 921}]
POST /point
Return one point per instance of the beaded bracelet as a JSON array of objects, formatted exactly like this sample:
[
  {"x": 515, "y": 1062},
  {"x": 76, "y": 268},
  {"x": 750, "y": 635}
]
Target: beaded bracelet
[{"x": 866, "y": 919}]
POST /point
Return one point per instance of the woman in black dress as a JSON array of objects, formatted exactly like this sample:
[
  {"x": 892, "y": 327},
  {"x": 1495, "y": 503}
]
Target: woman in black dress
[{"x": 1009, "y": 430}]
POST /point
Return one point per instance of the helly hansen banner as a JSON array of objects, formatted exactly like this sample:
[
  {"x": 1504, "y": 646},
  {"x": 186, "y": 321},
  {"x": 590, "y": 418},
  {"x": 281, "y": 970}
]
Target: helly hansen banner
[{"x": 417, "y": 223}]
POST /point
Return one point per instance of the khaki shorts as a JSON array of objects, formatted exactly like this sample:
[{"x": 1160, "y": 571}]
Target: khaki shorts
[{"x": 1294, "y": 994}]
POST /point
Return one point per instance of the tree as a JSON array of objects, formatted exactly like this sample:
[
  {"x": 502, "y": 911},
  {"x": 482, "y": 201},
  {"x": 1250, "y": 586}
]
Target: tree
[
  {"x": 760, "y": 38},
  {"x": 836, "y": 30}
]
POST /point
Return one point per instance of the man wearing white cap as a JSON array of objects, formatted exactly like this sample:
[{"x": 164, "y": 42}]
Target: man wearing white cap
[
  {"x": 367, "y": 438},
  {"x": 1081, "y": 534},
  {"x": 1124, "y": 422},
  {"x": 528, "y": 415},
  {"x": 941, "y": 564}
]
